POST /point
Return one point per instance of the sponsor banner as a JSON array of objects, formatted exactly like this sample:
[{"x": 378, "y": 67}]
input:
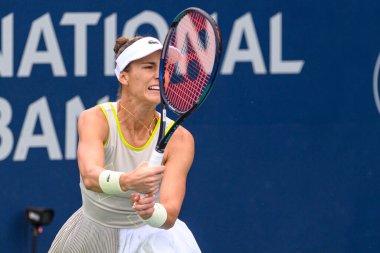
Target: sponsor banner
[{"x": 286, "y": 144}]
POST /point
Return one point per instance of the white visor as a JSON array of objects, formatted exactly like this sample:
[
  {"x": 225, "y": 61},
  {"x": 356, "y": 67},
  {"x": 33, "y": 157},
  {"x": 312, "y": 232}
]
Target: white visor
[{"x": 139, "y": 49}]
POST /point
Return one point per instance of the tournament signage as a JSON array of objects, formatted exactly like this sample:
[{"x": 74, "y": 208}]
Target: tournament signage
[
  {"x": 287, "y": 147},
  {"x": 43, "y": 31}
]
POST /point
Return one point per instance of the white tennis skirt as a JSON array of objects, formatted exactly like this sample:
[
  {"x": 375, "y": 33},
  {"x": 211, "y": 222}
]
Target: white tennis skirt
[{"x": 81, "y": 235}]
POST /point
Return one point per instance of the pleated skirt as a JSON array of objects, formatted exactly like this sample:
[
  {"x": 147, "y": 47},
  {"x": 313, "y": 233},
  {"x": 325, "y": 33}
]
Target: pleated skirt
[{"x": 82, "y": 235}]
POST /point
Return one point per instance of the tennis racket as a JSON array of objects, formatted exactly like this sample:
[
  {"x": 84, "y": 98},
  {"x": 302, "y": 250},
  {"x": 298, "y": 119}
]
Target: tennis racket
[{"x": 188, "y": 65}]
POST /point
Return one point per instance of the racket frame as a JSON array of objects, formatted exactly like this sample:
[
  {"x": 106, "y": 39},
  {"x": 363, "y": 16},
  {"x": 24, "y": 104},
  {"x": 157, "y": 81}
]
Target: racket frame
[{"x": 163, "y": 138}]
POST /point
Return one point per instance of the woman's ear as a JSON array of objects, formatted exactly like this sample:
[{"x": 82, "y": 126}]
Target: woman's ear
[{"x": 123, "y": 78}]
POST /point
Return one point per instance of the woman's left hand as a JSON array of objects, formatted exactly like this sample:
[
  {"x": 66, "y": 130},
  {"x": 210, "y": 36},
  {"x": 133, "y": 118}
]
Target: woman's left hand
[{"x": 144, "y": 206}]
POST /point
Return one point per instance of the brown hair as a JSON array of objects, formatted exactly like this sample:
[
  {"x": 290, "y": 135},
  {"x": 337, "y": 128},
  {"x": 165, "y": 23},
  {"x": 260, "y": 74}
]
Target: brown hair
[{"x": 120, "y": 45}]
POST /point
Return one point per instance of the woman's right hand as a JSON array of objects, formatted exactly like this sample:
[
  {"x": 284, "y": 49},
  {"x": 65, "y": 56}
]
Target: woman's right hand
[
  {"x": 144, "y": 205},
  {"x": 143, "y": 179}
]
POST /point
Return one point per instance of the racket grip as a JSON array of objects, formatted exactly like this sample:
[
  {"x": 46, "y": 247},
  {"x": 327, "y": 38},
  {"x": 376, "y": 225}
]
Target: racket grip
[{"x": 156, "y": 158}]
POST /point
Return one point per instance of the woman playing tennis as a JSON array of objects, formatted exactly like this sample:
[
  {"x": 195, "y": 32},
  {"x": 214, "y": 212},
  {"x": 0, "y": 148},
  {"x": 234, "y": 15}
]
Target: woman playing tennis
[{"x": 129, "y": 206}]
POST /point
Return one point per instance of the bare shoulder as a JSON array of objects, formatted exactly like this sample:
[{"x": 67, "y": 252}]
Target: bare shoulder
[
  {"x": 180, "y": 148},
  {"x": 93, "y": 121},
  {"x": 182, "y": 136},
  {"x": 92, "y": 114}
]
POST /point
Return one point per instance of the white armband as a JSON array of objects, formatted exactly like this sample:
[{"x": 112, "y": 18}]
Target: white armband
[
  {"x": 158, "y": 217},
  {"x": 109, "y": 182}
]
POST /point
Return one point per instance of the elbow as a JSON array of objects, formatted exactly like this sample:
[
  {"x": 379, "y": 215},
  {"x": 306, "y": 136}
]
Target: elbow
[
  {"x": 88, "y": 183},
  {"x": 172, "y": 209},
  {"x": 169, "y": 225},
  {"x": 170, "y": 222}
]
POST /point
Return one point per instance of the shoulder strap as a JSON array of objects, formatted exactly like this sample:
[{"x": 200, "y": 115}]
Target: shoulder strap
[{"x": 107, "y": 109}]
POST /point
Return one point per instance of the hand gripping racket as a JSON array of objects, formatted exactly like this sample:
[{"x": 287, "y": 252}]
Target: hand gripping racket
[{"x": 188, "y": 66}]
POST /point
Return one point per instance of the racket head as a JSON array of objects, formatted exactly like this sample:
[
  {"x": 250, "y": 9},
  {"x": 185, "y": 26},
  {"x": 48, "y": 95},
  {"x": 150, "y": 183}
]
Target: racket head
[{"x": 189, "y": 60}]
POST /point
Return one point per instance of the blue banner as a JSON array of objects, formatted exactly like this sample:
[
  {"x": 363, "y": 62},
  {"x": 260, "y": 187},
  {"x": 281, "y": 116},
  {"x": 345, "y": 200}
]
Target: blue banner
[{"x": 287, "y": 146}]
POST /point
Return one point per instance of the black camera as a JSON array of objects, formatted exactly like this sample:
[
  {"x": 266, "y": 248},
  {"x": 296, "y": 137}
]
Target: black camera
[{"x": 39, "y": 216}]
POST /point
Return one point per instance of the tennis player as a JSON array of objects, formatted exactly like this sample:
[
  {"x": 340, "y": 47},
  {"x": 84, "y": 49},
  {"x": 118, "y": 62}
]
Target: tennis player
[{"x": 128, "y": 206}]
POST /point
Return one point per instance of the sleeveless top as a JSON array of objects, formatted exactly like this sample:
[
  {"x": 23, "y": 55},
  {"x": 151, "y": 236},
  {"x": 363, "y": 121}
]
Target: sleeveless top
[{"x": 116, "y": 210}]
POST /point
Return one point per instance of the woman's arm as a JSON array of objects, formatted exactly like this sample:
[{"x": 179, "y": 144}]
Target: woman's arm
[
  {"x": 178, "y": 160},
  {"x": 179, "y": 155},
  {"x": 93, "y": 132}
]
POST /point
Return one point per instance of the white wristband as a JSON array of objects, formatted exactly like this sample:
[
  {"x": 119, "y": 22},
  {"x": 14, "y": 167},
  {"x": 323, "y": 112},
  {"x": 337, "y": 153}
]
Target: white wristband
[
  {"x": 158, "y": 217},
  {"x": 109, "y": 182}
]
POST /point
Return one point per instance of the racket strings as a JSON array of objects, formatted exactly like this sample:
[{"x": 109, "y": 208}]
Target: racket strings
[
  {"x": 189, "y": 75},
  {"x": 186, "y": 95}
]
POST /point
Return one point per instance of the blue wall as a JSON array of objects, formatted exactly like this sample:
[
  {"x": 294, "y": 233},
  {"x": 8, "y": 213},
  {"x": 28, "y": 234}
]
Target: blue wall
[{"x": 287, "y": 149}]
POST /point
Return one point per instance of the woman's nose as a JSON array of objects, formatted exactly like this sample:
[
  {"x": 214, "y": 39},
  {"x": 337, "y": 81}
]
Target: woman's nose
[{"x": 157, "y": 74}]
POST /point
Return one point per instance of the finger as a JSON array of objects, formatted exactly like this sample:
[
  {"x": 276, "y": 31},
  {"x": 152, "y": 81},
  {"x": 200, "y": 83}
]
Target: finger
[
  {"x": 158, "y": 177},
  {"x": 158, "y": 169},
  {"x": 133, "y": 195},
  {"x": 143, "y": 164},
  {"x": 146, "y": 213},
  {"x": 150, "y": 194},
  {"x": 143, "y": 207},
  {"x": 132, "y": 199},
  {"x": 146, "y": 200},
  {"x": 156, "y": 186},
  {"x": 137, "y": 198}
]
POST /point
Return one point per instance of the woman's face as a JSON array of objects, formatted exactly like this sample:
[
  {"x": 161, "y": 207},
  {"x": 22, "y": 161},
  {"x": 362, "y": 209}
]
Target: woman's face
[{"x": 142, "y": 76}]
